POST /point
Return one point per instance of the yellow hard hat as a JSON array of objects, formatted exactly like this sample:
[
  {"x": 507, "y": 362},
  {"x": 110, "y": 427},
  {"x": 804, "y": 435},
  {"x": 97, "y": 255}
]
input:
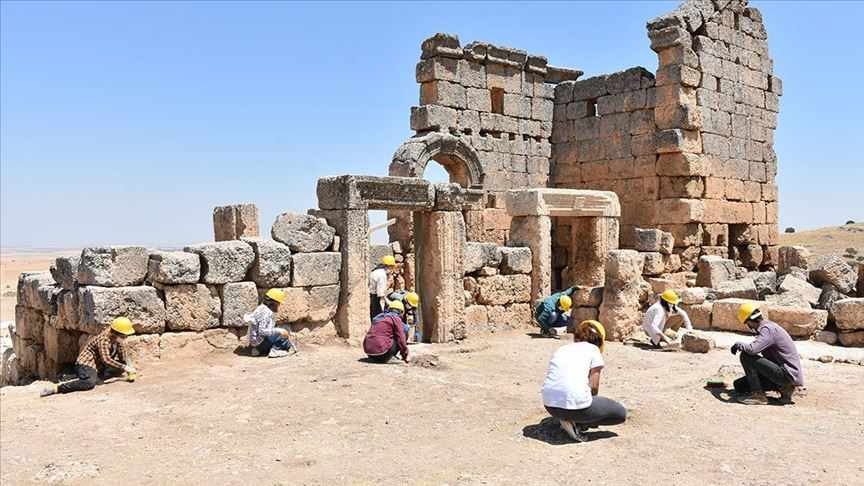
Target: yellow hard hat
[
  {"x": 388, "y": 260},
  {"x": 746, "y": 311},
  {"x": 670, "y": 296},
  {"x": 599, "y": 328},
  {"x": 565, "y": 303},
  {"x": 412, "y": 298},
  {"x": 396, "y": 305},
  {"x": 276, "y": 294},
  {"x": 123, "y": 326}
]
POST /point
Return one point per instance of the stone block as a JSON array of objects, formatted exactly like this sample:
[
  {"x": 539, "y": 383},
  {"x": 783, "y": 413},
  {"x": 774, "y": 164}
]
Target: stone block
[
  {"x": 437, "y": 68},
  {"x": 693, "y": 295},
  {"x": 316, "y": 269},
  {"x": 479, "y": 255},
  {"x": 195, "y": 344},
  {"x": 677, "y": 140},
  {"x": 191, "y": 307},
  {"x": 443, "y": 93},
  {"x": 579, "y": 314},
  {"x": 476, "y": 318},
  {"x": 515, "y": 260},
  {"x": 848, "y": 314},
  {"x": 724, "y": 315},
  {"x": 503, "y": 289},
  {"x": 67, "y": 310},
  {"x": 712, "y": 270},
  {"x": 513, "y": 316},
  {"x": 296, "y": 306},
  {"x": 143, "y": 348},
  {"x": 37, "y": 290},
  {"x": 65, "y": 271},
  {"x": 835, "y": 271},
  {"x": 696, "y": 343},
  {"x": 174, "y": 267},
  {"x": 371, "y": 192},
  {"x": 587, "y": 296},
  {"x": 741, "y": 289},
  {"x": 699, "y": 314},
  {"x": 799, "y": 287},
  {"x": 113, "y": 266},
  {"x": 624, "y": 265},
  {"x": 61, "y": 345},
  {"x": 98, "y": 306},
  {"x": 223, "y": 261},
  {"x": 29, "y": 323},
  {"x": 765, "y": 282},
  {"x": 302, "y": 233},
  {"x": 238, "y": 299},
  {"x": 433, "y": 117},
  {"x": 798, "y": 321},
  {"x": 827, "y": 337},
  {"x": 793, "y": 256},
  {"x": 852, "y": 339},
  {"x": 750, "y": 256},
  {"x": 235, "y": 221},
  {"x": 323, "y": 302},
  {"x": 272, "y": 265},
  {"x": 652, "y": 263}
]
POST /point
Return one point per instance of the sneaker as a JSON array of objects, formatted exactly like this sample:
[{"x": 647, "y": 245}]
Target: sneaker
[
  {"x": 755, "y": 398},
  {"x": 786, "y": 394},
  {"x": 277, "y": 353},
  {"x": 48, "y": 391},
  {"x": 255, "y": 353},
  {"x": 577, "y": 434},
  {"x": 550, "y": 333}
]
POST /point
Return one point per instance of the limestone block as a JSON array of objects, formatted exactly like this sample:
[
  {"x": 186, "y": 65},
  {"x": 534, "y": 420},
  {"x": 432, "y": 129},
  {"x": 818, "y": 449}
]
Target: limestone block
[
  {"x": 61, "y": 345},
  {"x": 65, "y": 271},
  {"x": 29, "y": 323},
  {"x": 696, "y": 343},
  {"x": 798, "y": 321},
  {"x": 432, "y": 117},
  {"x": 563, "y": 202},
  {"x": 713, "y": 270},
  {"x": 750, "y": 256},
  {"x": 652, "y": 263},
  {"x": 827, "y": 298},
  {"x": 793, "y": 256},
  {"x": 535, "y": 233},
  {"x": 622, "y": 295},
  {"x": 323, "y": 302},
  {"x": 476, "y": 318},
  {"x": 693, "y": 295},
  {"x": 580, "y": 314},
  {"x": 741, "y": 289},
  {"x": 623, "y": 265},
  {"x": 439, "y": 237},
  {"x": 515, "y": 260},
  {"x": 235, "y": 221},
  {"x": 67, "y": 309},
  {"x": 699, "y": 314},
  {"x": 195, "y": 344},
  {"x": 296, "y": 305},
  {"x": 678, "y": 140},
  {"x": 449, "y": 197},
  {"x": 174, "y": 267},
  {"x": 98, "y": 306},
  {"x": 587, "y": 296},
  {"x": 224, "y": 261},
  {"x": 853, "y": 338},
  {"x": 511, "y": 316},
  {"x": 766, "y": 282},
  {"x": 503, "y": 289},
  {"x": 191, "y": 307},
  {"x": 370, "y": 192},
  {"x": 302, "y": 232},
  {"x": 835, "y": 271},
  {"x": 479, "y": 255},
  {"x": 648, "y": 240},
  {"x": 272, "y": 265},
  {"x": 799, "y": 287},
  {"x": 660, "y": 285},
  {"x": 238, "y": 299},
  {"x": 37, "y": 290},
  {"x": 849, "y": 314},
  {"x": 724, "y": 315},
  {"x": 443, "y": 93},
  {"x": 142, "y": 348},
  {"x": 827, "y": 337},
  {"x": 316, "y": 269},
  {"x": 788, "y": 299},
  {"x": 114, "y": 266}
]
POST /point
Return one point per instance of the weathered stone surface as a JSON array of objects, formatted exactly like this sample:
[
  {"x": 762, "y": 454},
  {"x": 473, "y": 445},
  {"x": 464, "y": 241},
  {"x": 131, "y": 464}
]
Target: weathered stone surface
[
  {"x": 65, "y": 271},
  {"x": 238, "y": 299},
  {"x": 38, "y": 290},
  {"x": 195, "y": 344},
  {"x": 535, "y": 233},
  {"x": 515, "y": 260},
  {"x": 827, "y": 337},
  {"x": 788, "y": 299},
  {"x": 476, "y": 319},
  {"x": 224, "y": 261},
  {"x": 302, "y": 233},
  {"x": 191, "y": 307},
  {"x": 852, "y": 339},
  {"x": 742, "y": 289},
  {"x": 113, "y": 266},
  {"x": 653, "y": 240},
  {"x": 513, "y": 316},
  {"x": 652, "y": 263},
  {"x": 29, "y": 323},
  {"x": 141, "y": 304},
  {"x": 587, "y": 296},
  {"x": 440, "y": 273},
  {"x": 235, "y": 221},
  {"x": 693, "y": 295},
  {"x": 563, "y": 202},
  {"x": 296, "y": 305},
  {"x": 765, "y": 282},
  {"x": 503, "y": 289},
  {"x": 479, "y": 255},
  {"x": 579, "y": 314},
  {"x": 699, "y": 314},
  {"x": 272, "y": 265},
  {"x": 796, "y": 286},
  {"x": 849, "y": 314},
  {"x": 724, "y": 315},
  {"x": 696, "y": 343},
  {"x": 174, "y": 267},
  {"x": 61, "y": 345},
  {"x": 370, "y": 192},
  {"x": 713, "y": 270},
  {"x": 67, "y": 309},
  {"x": 323, "y": 302},
  {"x": 827, "y": 298},
  {"x": 620, "y": 311},
  {"x": 624, "y": 265},
  {"x": 793, "y": 256},
  {"x": 798, "y": 322},
  {"x": 143, "y": 348},
  {"x": 835, "y": 271},
  {"x": 316, "y": 269}
]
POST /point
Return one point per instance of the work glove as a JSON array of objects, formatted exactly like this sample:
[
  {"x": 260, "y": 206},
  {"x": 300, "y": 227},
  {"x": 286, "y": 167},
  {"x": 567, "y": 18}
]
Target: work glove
[
  {"x": 735, "y": 348},
  {"x": 128, "y": 369},
  {"x": 284, "y": 332}
]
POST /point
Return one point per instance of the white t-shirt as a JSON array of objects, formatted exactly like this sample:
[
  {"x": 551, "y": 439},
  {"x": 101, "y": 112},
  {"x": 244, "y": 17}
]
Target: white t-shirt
[
  {"x": 655, "y": 319},
  {"x": 567, "y": 384},
  {"x": 378, "y": 282}
]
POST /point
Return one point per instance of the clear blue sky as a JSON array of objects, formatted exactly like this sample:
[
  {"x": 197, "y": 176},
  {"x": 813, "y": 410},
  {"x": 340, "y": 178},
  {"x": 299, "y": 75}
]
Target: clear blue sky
[{"x": 126, "y": 122}]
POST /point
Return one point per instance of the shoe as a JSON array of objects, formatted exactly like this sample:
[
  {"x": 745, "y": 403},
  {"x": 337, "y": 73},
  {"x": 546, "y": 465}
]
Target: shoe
[
  {"x": 48, "y": 391},
  {"x": 786, "y": 394},
  {"x": 550, "y": 333},
  {"x": 278, "y": 353},
  {"x": 577, "y": 435},
  {"x": 755, "y": 398},
  {"x": 255, "y": 353}
]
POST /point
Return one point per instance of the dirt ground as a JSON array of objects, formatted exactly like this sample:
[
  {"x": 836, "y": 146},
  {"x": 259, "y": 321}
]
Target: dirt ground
[
  {"x": 832, "y": 240},
  {"x": 325, "y": 417}
]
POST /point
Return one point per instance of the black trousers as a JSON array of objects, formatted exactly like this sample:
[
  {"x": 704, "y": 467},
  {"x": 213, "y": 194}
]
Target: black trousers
[
  {"x": 87, "y": 379},
  {"x": 374, "y": 306},
  {"x": 602, "y": 411},
  {"x": 761, "y": 374},
  {"x": 383, "y": 358}
]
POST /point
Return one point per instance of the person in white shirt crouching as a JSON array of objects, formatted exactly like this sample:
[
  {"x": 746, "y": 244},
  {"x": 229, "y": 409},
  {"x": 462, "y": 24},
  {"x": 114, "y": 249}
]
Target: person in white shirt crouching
[
  {"x": 573, "y": 381},
  {"x": 657, "y": 316}
]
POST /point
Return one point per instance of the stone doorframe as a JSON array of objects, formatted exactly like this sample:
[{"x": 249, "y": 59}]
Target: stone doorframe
[
  {"x": 595, "y": 233},
  {"x": 344, "y": 201}
]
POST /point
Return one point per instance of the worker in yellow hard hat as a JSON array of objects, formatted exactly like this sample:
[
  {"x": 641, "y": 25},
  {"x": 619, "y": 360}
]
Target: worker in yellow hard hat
[
  {"x": 386, "y": 335},
  {"x": 379, "y": 285},
  {"x": 570, "y": 391},
  {"x": 770, "y": 362},
  {"x": 657, "y": 316},
  {"x": 554, "y": 312},
  {"x": 411, "y": 301},
  {"x": 103, "y": 356},
  {"x": 265, "y": 339}
]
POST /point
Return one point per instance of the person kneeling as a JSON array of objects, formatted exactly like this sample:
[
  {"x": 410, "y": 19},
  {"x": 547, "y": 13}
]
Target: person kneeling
[
  {"x": 386, "y": 336},
  {"x": 102, "y": 357},
  {"x": 264, "y": 337},
  {"x": 570, "y": 392},
  {"x": 554, "y": 312},
  {"x": 779, "y": 366},
  {"x": 657, "y": 317}
]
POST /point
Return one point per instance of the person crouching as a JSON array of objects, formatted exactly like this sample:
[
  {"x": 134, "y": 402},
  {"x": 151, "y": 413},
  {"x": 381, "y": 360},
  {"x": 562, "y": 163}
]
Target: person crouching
[
  {"x": 265, "y": 338},
  {"x": 386, "y": 336},
  {"x": 570, "y": 391}
]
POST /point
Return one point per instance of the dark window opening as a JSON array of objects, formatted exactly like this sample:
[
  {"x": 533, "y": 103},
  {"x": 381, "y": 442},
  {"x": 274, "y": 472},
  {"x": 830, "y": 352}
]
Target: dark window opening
[
  {"x": 592, "y": 108},
  {"x": 497, "y": 96}
]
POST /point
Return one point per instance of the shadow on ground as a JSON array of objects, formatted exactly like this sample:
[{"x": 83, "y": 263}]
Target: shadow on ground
[
  {"x": 726, "y": 395},
  {"x": 549, "y": 431}
]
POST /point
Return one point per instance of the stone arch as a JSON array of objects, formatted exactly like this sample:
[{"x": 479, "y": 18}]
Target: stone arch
[{"x": 458, "y": 158}]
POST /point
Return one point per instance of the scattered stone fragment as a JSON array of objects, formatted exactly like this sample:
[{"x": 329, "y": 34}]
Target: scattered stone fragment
[{"x": 302, "y": 233}]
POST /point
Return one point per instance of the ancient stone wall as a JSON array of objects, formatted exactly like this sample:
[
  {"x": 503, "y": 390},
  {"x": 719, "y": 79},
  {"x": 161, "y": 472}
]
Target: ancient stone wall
[{"x": 497, "y": 287}]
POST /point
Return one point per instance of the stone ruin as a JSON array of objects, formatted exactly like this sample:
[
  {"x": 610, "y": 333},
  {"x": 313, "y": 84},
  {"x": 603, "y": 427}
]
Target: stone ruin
[{"x": 621, "y": 184}]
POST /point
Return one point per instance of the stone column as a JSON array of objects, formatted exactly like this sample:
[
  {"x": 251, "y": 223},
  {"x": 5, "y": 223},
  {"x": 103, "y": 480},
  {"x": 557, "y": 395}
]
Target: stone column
[
  {"x": 589, "y": 244},
  {"x": 352, "y": 227},
  {"x": 235, "y": 221},
  {"x": 440, "y": 246},
  {"x": 535, "y": 232}
]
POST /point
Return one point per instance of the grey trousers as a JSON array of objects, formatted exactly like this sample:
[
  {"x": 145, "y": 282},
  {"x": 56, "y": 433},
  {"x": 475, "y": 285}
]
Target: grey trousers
[{"x": 602, "y": 411}]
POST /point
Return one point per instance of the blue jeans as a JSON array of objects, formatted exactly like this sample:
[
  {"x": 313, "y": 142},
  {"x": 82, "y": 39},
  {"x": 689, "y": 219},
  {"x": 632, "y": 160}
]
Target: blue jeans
[
  {"x": 555, "y": 320},
  {"x": 274, "y": 341}
]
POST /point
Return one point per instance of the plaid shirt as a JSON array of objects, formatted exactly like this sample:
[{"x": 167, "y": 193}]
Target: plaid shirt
[{"x": 97, "y": 352}]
